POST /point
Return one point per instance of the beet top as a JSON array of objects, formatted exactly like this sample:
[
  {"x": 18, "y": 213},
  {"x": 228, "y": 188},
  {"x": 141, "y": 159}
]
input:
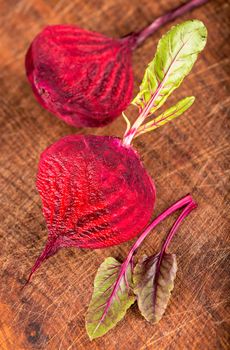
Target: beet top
[
  {"x": 84, "y": 77},
  {"x": 95, "y": 191}
]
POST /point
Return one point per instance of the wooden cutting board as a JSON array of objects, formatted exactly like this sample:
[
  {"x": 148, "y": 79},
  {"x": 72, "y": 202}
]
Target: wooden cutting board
[{"x": 187, "y": 155}]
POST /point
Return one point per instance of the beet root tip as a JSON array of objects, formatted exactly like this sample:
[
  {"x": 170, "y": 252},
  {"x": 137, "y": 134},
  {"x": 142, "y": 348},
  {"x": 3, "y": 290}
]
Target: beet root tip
[{"x": 49, "y": 250}]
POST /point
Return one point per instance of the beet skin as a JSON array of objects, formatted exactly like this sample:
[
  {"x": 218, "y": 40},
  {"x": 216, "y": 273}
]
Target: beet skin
[{"x": 83, "y": 77}]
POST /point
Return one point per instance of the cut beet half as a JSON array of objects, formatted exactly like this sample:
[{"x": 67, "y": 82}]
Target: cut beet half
[{"x": 95, "y": 193}]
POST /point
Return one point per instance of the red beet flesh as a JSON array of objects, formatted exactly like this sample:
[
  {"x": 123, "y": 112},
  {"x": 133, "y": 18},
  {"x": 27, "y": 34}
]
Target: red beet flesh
[
  {"x": 83, "y": 77},
  {"x": 95, "y": 193}
]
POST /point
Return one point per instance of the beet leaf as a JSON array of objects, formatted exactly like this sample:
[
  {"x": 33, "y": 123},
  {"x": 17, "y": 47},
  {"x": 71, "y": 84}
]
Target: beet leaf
[
  {"x": 170, "y": 114},
  {"x": 113, "y": 283},
  {"x": 144, "y": 274},
  {"x": 176, "y": 54},
  {"x": 112, "y": 296}
]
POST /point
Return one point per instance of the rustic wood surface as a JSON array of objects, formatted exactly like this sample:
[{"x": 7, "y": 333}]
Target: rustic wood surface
[{"x": 188, "y": 155}]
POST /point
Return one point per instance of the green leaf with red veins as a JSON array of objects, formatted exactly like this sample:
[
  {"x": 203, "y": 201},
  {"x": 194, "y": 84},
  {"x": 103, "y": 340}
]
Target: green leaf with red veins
[
  {"x": 111, "y": 298},
  {"x": 170, "y": 114},
  {"x": 153, "y": 283},
  {"x": 176, "y": 54}
]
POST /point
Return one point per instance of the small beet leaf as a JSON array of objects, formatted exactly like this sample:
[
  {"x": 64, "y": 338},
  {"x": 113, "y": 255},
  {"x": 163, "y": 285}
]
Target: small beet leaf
[
  {"x": 111, "y": 298},
  {"x": 153, "y": 283},
  {"x": 170, "y": 114}
]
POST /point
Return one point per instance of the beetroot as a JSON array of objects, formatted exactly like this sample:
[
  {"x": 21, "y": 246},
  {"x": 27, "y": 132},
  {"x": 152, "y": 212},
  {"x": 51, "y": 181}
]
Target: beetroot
[
  {"x": 83, "y": 77},
  {"x": 95, "y": 193},
  {"x": 79, "y": 75}
]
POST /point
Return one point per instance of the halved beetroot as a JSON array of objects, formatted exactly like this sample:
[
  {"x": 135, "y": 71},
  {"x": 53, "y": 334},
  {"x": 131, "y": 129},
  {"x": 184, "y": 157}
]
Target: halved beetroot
[{"x": 95, "y": 193}]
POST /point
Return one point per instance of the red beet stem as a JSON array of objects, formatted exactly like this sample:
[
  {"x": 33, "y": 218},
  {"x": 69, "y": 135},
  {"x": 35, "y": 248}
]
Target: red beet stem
[
  {"x": 162, "y": 20},
  {"x": 186, "y": 211},
  {"x": 177, "y": 223},
  {"x": 186, "y": 202}
]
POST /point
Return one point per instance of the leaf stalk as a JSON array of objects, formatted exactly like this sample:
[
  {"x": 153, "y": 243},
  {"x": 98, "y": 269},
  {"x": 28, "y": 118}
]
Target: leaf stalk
[
  {"x": 143, "y": 34},
  {"x": 186, "y": 202}
]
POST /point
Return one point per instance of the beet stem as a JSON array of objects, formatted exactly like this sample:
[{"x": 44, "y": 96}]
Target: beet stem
[
  {"x": 186, "y": 201},
  {"x": 186, "y": 211},
  {"x": 162, "y": 20},
  {"x": 176, "y": 225}
]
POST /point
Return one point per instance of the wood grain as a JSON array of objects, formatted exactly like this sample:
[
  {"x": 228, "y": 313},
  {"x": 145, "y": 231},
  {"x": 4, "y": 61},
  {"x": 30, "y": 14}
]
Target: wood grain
[{"x": 189, "y": 155}]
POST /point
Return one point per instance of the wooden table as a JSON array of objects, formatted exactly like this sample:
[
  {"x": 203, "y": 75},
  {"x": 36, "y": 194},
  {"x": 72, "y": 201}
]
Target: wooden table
[{"x": 187, "y": 155}]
